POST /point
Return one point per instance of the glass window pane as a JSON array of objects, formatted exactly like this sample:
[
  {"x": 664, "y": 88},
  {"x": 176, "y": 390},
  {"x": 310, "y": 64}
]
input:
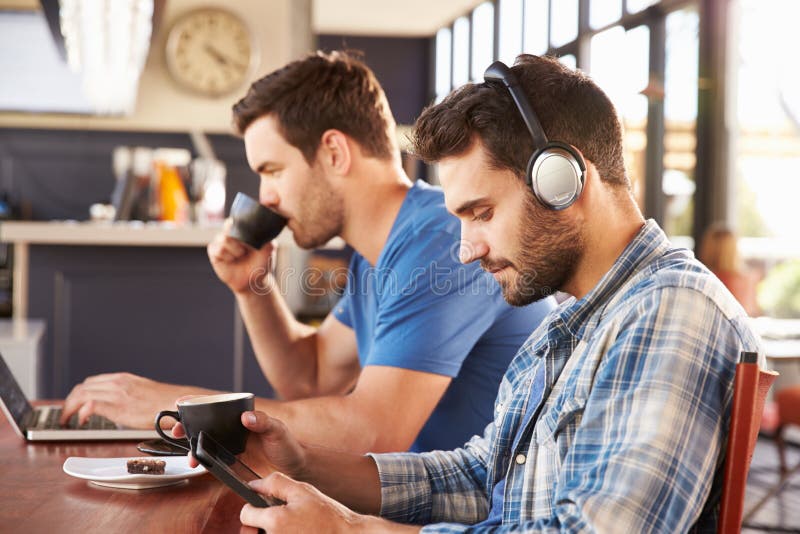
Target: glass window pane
[
  {"x": 444, "y": 42},
  {"x": 569, "y": 60},
  {"x": 635, "y": 6},
  {"x": 608, "y": 50},
  {"x": 460, "y": 51},
  {"x": 680, "y": 118},
  {"x": 536, "y": 15},
  {"x": 510, "y": 44},
  {"x": 604, "y": 12},
  {"x": 564, "y": 22},
  {"x": 766, "y": 155},
  {"x": 482, "y": 39}
]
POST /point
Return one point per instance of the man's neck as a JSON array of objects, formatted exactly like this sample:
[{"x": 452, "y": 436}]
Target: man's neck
[
  {"x": 374, "y": 198},
  {"x": 608, "y": 229}
]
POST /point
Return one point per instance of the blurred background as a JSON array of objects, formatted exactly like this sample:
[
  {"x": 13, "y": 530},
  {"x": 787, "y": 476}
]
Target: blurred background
[{"x": 117, "y": 163}]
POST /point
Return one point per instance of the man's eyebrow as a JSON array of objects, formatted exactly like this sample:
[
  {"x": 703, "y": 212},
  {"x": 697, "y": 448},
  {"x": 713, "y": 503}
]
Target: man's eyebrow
[
  {"x": 466, "y": 206},
  {"x": 263, "y": 166}
]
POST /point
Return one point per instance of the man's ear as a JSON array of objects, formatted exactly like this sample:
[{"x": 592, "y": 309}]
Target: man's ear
[{"x": 335, "y": 151}]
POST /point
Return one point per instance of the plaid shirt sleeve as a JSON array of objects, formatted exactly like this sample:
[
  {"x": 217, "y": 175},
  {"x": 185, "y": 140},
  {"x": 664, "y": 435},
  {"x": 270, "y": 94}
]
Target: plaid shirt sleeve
[{"x": 425, "y": 487}]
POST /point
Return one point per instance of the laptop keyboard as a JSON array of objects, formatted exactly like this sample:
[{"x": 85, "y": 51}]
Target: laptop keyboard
[{"x": 95, "y": 422}]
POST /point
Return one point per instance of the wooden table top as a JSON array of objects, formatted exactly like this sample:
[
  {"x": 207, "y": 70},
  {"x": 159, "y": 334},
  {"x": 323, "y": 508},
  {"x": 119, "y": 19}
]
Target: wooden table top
[{"x": 37, "y": 496}]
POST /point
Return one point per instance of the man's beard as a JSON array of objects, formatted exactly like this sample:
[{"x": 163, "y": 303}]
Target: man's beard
[
  {"x": 548, "y": 251},
  {"x": 321, "y": 216}
]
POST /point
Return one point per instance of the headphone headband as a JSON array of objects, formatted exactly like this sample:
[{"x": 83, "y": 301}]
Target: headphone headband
[
  {"x": 499, "y": 72},
  {"x": 556, "y": 171}
]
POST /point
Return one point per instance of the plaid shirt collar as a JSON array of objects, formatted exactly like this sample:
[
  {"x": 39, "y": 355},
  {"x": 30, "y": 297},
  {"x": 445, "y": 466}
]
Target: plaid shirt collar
[{"x": 581, "y": 316}]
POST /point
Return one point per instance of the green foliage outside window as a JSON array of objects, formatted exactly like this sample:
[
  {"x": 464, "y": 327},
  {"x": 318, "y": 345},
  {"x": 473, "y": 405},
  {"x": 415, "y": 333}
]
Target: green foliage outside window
[{"x": 779, "y": 292}]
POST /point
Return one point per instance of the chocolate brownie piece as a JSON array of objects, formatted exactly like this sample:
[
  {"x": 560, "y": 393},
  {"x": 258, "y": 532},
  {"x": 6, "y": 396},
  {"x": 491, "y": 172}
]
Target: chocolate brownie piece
[{"x": 146, "y": 466}]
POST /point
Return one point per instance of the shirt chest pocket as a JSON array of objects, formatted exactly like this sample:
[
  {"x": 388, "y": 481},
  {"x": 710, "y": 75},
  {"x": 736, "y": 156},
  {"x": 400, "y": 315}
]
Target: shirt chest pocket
[{"x": 558, "y": 424}]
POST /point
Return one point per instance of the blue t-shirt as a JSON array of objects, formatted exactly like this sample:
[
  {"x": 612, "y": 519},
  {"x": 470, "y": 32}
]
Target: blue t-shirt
[{"x": 419, "y": 308}]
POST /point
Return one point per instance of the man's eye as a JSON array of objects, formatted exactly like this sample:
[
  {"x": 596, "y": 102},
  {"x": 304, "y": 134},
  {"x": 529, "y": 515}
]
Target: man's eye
[{"x": 482, "y": 215}]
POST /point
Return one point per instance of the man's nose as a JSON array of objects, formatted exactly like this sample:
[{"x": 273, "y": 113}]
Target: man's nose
[
  {"x": 268, "y": 197},
  {"x": 472, "y": 250}
]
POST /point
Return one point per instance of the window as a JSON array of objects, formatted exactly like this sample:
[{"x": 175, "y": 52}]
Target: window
[
  {"x": 680, "y": 121},
  {"x": 767, "y": 152},
  {"x": 635, "y": 6},
  {"x": 604, "y": 12},
  {"x": 482, "y": 39},
  {"x": 510, "y": 36},
  {"x": 42, "y": 80},
  {"x": 563, "y": 22},
  {"x": 461, "y": 62},
  {"x": 535, "y": 37},
  {"x": 624, "y": 87},
  {"x": 444, "y": 41},
  {"x": 569, "y": 60}
]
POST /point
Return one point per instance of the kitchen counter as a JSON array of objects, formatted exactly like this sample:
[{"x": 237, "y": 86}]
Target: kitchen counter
[
  {"x": 22, "y": 234},
  {"x": 129, "y": 233},
  {"x": 106, "y": 233}
]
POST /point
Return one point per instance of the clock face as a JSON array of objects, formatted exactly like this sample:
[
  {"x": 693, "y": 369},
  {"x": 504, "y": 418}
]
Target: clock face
[{"x": 210, "y": 52}]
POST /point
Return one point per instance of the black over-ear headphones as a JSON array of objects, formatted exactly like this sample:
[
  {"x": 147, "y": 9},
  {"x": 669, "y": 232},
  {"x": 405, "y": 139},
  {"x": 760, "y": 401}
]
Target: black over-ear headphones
[{"x": 555, "y": 170}]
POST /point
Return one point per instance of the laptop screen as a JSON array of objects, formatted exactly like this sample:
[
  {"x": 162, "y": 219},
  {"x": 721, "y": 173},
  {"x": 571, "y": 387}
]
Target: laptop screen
[{"x": 12, "y": 395}]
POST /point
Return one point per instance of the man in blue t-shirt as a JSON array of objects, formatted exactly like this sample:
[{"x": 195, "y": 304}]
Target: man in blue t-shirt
[{"x": 413, "y": 354}]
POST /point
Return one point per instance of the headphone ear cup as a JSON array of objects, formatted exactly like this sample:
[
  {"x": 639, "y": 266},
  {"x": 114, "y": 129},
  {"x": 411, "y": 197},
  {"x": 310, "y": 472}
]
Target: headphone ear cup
[{"x": 556, "y": 176}]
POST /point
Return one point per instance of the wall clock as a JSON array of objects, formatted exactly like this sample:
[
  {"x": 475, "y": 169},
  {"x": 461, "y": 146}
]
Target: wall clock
[{"x": 210, "y": 52}]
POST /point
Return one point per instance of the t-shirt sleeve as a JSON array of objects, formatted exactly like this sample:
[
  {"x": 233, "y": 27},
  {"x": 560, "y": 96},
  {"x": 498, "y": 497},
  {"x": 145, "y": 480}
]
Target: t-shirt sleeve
[{"x": 433, "y": 309}]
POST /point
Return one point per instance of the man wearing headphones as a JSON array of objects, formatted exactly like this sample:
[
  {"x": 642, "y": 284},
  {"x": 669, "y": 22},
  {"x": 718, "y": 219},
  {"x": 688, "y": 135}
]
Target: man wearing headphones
[
  {"x": 411, "y": 356},
  {"x": 613, "y": 415}
]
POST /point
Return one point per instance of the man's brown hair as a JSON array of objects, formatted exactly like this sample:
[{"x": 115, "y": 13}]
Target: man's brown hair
[
  {"x": 317, "y": 93},
  {"x": 570, "y": 106}
]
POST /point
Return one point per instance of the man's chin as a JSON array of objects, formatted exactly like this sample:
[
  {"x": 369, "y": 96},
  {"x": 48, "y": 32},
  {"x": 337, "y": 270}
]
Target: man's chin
[
  {"x": 523, "y": 297},
  {"x": 310, "y": 242}
]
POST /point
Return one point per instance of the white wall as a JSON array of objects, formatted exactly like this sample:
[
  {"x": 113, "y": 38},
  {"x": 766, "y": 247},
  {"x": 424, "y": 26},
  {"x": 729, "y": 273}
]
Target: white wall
[{"x": 164, "y": 106}]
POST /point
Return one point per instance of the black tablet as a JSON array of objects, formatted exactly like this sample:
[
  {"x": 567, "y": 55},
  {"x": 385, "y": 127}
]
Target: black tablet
[{"x": 230, "y": 470}]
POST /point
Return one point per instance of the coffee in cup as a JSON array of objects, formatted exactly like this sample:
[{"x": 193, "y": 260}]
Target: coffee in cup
[
  {"x": 254, "y": 224},
  {"x": 217, "y": 415}
]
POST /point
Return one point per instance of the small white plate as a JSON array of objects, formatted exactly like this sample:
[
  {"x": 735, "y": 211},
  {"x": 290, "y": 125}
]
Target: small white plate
[{"x": 113, "y": 472}]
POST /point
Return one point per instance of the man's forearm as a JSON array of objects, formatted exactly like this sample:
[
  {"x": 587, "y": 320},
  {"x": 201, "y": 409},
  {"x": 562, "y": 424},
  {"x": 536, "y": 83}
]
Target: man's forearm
[
  {"x": 349, "y": 478},
  {"x": 332, "y": 422},
  {"x": 284, "y": 347}
]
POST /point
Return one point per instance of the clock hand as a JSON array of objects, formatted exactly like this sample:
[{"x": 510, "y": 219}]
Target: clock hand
[{"x": 221, "y": 58}]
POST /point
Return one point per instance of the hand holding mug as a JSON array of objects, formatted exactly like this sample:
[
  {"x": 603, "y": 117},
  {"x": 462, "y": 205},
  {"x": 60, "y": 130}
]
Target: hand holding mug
[{"x": 218, "y": 415}]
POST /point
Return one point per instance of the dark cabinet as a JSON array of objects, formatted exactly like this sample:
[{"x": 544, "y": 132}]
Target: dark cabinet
[{"x": 155, "y": 311}]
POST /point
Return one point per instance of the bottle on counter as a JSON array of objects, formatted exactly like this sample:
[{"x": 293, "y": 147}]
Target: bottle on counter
[{"x": 170, "y": 191}]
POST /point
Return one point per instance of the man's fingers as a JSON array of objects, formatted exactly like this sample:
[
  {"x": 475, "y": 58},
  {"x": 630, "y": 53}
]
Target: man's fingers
[
  {"x": 278, "y": 485},
  {"x": 85, "y": 411},
  {"x": 178, "y": 431},
  {"x": 223, "y": 256},
  {"x": 72, "y": 404},
  {"x": 105, "y": 377},
  {"x": 259, "y": 422},
  {"x": 259, "y": 517}
]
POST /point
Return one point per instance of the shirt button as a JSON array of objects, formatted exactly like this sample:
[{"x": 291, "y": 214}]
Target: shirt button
[{"x": 520, "y": 459}]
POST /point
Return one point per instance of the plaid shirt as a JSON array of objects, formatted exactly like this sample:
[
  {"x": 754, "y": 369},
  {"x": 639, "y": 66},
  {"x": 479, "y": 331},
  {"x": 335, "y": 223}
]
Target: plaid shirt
[{"x": 630, "y": 434}]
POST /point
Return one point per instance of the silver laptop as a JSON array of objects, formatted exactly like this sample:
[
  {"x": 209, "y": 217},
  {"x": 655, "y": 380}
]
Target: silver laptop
[{"x": 42, "y": 423}]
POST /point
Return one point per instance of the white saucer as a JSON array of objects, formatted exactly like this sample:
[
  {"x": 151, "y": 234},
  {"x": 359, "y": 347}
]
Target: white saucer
[{"x": 113, "y": 472}]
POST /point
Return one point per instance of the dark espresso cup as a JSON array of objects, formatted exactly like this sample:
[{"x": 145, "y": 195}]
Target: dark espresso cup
[
  {"x": 253, "y": 223},
  {"x": 217, "y": 415}
]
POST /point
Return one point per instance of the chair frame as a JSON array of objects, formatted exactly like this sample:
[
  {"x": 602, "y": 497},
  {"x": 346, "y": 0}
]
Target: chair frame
[{"x": 750, "y": 388}]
